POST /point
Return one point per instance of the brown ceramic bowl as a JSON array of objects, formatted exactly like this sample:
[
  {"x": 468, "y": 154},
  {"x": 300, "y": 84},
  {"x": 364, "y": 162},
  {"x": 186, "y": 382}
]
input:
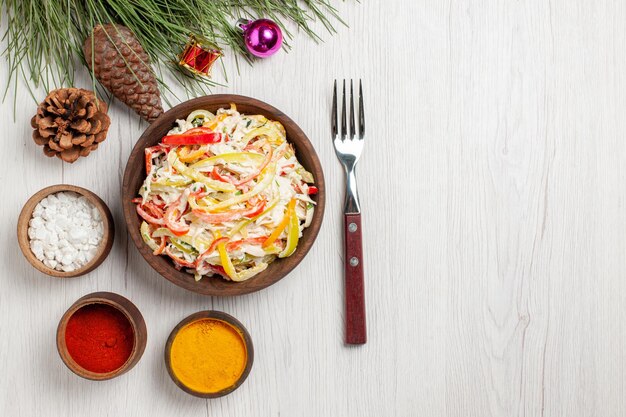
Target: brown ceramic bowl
[
  {"x": 135, "y": 174},
  {"x": 217, "y": 315},
  {"x": 105, "y": 244},
  {"x": 134, "y": 317}
]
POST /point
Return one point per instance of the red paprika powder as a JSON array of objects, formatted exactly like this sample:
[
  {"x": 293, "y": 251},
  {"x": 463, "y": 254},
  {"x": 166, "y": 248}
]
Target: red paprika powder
[{"x": 99, "y": 338}]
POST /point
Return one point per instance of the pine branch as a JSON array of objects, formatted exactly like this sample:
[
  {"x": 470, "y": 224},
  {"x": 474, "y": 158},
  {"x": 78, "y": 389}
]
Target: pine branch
[{"x": 44, "y": 37}]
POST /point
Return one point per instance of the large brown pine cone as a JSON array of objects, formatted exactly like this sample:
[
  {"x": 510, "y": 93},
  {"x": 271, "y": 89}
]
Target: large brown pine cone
[
  {"x": 69, "y": 123},
  {"x": 123, "y": 67}
]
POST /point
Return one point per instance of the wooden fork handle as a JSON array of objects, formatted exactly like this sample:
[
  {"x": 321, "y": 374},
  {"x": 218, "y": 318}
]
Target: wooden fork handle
[{"x": 356, "y": 333}]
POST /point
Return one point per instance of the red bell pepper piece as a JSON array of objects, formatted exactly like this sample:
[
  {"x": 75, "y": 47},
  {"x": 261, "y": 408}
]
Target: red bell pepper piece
[
  {"x": 149, "y": 152},
  {"x": 218, "y": 269},
  {"x": 215, "y": 174},
  {"x": 147, "y": 217},
  {"x": 158, "y": 201},
  {"x": 199, "y": 194},
  {"x": 180, "y": 261},
  {"x": 283, "y": 171},
  {"x": 268, "y": 158},
  {"x": 148, "y": 162},
  {"x": 213, "y": 246},
  {"x": 173, "y": 214},
  {"x": 161, "y": 247},
  {"x": 171, "y": 221},
  {"x": 230, "y": 246},
  {"x": 153, "y": 209},
  {"x": 196, "y": 136},
  {"x": 230, "y": 215},
  {"x": 207, "y": 252},
  {"x": 198, "y": 130},
  {"x": 313, "y": 190}
]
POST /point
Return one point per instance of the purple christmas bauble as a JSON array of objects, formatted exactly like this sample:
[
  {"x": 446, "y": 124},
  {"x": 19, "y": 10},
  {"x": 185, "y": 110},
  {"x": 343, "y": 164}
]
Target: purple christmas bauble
[{"x": 262, "y": 37}]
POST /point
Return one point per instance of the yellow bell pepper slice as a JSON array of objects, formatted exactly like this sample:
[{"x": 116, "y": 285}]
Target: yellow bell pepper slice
[
  {"x": 282, "y": 225},
  {"x": 191, "y": 155},
  {"x": 154, "y": 187},
  {"x": 268, "y": 177},
  {"x": 238, "y": 227},
  {"x": 281, "y": 129},
  {"x": 193, "y": 202},
  {"x": 145, "y": 235},
  {"x": 243, "y": 158},
  {"x": 227, "y": 264},
  {"x": 274, "y": 136},
  {"x": 184, "y": 246},
  {"x": 293, "y": 235},
  {"x": 198, "y": 243},
  {"x": 272, "y": 250},
  {"x": 205, "y": 115},
  {"x": 177, "y": 164},
  {"x": 259, "y": 118},
  {"x": 172, "y": 183},
  {"x": 213, "y": 124},
  {"x": 164, "y": 231},
  {"x": 246, "y": 222},
  {"x": 250, "y": 272},
  {"x": 229, "y": 268}
]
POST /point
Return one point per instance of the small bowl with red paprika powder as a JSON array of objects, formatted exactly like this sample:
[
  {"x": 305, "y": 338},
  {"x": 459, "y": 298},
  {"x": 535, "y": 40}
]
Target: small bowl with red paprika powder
[{"x": 101, "y": 336}]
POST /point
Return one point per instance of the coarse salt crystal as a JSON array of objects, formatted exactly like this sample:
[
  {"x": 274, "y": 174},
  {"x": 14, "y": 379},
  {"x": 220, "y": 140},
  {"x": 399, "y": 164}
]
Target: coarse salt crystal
[
  {"x": 41, "y": 234},
  {"x": 68, "y": 259},
  {"x": 62, "y": 222},
  {"x": 50, "y": 263},
  {"x": 36, "y": 222}
]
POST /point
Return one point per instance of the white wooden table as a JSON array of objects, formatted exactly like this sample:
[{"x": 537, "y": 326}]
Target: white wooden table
[{"x": 493, "y": 192}]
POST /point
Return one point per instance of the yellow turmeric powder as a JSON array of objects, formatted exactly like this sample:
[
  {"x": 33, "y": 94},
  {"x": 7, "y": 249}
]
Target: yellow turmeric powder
[{"x": 208, "y": 355}]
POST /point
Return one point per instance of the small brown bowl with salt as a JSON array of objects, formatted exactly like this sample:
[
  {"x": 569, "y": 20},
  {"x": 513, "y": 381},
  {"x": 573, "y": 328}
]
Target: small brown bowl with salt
[{"x": 59, "y": 255}]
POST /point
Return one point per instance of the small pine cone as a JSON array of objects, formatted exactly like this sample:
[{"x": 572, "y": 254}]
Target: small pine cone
[
  {"x": 122, "y": 66},
  {"x": 68, "y": 122}
]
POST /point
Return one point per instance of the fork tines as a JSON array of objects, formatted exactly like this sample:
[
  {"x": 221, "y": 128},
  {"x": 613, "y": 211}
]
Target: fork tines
[{"x": 344, "y": 125}]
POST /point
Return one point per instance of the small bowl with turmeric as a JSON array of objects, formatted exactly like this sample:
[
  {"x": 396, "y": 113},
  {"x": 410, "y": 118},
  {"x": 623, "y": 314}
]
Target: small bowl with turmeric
[{"x": 209, "y": 354}]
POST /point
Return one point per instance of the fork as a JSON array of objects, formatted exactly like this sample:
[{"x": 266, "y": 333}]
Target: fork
[{"x": 348, "y": 146}]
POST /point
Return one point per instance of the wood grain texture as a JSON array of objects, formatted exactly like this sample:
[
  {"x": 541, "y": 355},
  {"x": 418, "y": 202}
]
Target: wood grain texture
[
  {"x": 135, "y": 174},
  {"x": 356, "y": 326},
  {"x": 493, "y": 193}
]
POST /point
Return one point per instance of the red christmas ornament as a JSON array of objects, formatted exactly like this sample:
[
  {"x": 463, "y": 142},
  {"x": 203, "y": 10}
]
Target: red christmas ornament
[{"x": 199, "y": 56}]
